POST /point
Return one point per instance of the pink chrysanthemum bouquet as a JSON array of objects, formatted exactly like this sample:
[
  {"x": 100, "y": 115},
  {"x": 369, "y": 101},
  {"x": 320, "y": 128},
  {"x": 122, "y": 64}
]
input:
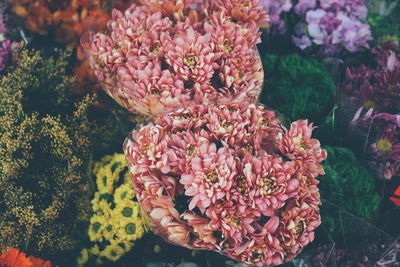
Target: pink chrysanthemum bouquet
[
  {"x": 229, "y": 178},
  {"x": 163, "y": 55}
]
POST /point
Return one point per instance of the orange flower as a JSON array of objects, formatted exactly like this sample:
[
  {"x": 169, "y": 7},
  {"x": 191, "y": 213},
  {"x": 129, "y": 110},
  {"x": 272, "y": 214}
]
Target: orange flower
[
  {"x": 13, "y": 257},
  {"x": 37, "y": 262}
]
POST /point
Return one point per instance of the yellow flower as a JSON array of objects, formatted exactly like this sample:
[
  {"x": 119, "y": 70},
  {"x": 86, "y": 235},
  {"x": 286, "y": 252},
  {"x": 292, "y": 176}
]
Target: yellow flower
[
  {"x": 95, "y": 202},
  {"x": 123, "y": 193},
  {"x": 118, "y": 163},
  {"x": 95, "y": 250},
  {"x": 110, "y": 230},
  {"x": 104, "y": 161},
  {"x": 384, "y": 145},
  {"x": 130, "y": 230},
  {"x": 83, "y": 258},
  {"x": 127, "y": 178},
  {"x": 105, "y": 181},
  {"x": 126, "y": 210},
  {"x": 112, "y": 252},
  {"x": 105, "y": 208},
  {"x": 97, "y": 223}
]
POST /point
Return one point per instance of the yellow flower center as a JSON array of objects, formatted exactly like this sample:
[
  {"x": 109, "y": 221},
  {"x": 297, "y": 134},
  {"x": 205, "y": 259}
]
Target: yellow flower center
[
  {"x": 190, "y": 60},
  {"x": 228, "y": 48},
  {"x": 368, "y": 104},
  {"x": 392, "y": 87},
  {"x": 301, "y": 143},
  {"x": 212, "y": 177},
  {"x": 300, "y": 227},
  {"x": 306, "y": 180},
  {"x": 235, "y": 221},
  {"x": 268, "y": 185},
  {"x": 191, "y": 150},
  {"x": 241, "y": 184},
  {"x": 248, "y": 148},
  {"x": 149, "y": 149},
  {"x": 384, "y": 145},
  {"x": 227, "y": 125},
  {"x": 257, "y": 253}
]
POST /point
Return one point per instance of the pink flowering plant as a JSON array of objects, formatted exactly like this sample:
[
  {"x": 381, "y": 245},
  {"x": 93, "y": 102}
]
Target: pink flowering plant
[
  {"x": 161, "y": 55},
  {"x": 331, "y": 26},
  {"x": 374, "y": 91},
  {"x": 229, "y": 178}
]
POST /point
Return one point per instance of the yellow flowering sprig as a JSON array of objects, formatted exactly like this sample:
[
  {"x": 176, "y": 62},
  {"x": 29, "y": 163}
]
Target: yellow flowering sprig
[
  {"x": 117, "y": 221},
  {"x": 45, "y": 146}
]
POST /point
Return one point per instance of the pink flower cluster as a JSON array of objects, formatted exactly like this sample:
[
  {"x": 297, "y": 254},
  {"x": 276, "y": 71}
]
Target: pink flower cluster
[
  {"x": 375, "y": 92},
  {"x": 329, "y": 24},
  {"x": 163, "y": 55},
  {"x": 229, "y": 178}
]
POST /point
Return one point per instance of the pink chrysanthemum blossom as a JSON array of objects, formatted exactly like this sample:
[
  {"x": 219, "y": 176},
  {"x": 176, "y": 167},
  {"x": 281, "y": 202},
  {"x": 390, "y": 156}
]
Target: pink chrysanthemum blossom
[
  {"x": 297, "y": 224},
  {"x": 163, "y": 55},
  {"x": 191, "y": 56},
  {"x": 244, "y": 11},
  {"x": 270, "y": 183},
  {"x": 298, "y": 144},
  {"x": 173, "y": 8},
  {"x": 232, "y": 177},
  {"x": 209, "y": 176}
]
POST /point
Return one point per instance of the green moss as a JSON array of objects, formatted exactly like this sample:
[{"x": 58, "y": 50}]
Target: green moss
[
  {"x": 299, "y": 88},
  {"x": 348, "y": 190}
]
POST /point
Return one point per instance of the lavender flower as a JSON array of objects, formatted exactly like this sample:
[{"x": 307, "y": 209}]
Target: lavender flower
[
  {"x": 275, "y": 9},
  {"x": 331, "y": 25}
]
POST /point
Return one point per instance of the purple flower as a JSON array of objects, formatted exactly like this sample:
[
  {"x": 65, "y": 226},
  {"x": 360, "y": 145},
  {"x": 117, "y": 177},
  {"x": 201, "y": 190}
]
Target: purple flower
[
  {"x": 375, "y": 93},
  {"x": 302, "y": 42},
  {"x": 332, "y": 25},
  {"x": 275, "y": 9},
  {"x": 385, "y": 151},
  {"x": 5, "y": 50},
  {"x": 304, "y": 5}
]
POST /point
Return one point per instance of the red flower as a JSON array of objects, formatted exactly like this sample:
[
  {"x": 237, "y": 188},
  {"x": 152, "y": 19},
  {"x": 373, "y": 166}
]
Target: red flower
[{"x": 396, "y": 198}]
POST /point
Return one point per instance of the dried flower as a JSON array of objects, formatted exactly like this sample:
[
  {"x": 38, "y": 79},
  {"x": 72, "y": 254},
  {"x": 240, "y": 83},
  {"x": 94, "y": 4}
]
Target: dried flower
[{"x": 213, "y": 177}]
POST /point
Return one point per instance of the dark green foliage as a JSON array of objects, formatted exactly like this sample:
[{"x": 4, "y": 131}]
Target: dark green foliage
[
  {"x": 113, "y": 124},
  {"x": 44, "y": 154},
  {"x": 298, "y": 87},
  {"x": 348, "y": 192},
  {"x": 385, "y": 23}
]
